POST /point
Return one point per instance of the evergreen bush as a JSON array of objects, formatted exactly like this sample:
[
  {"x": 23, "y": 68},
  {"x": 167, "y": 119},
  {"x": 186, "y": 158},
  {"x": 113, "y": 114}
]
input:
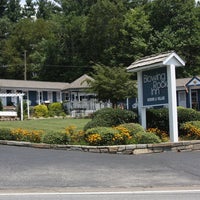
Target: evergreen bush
[
  {"x": 100, "y": 135},
  {"x": 40, "y": 111},
  {"x": 108, "y": 117},
  {"x": 190, "y": 130},
  {"x": 159, "y": 118},
  {"x": 56, "y": 109},
  {"x": 133, "y": 128},
  {"x": 146, "y": 138},
  {"x": 55, "y": 138},
  {"x": 5, "y": 134}
]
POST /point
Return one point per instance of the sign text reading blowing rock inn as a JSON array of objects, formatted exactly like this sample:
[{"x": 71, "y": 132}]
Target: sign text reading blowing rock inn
[{"x": 155, "y": 87}]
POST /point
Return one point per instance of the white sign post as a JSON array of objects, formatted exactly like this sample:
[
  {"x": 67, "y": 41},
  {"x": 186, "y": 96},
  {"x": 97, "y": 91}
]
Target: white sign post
[{"x": 157, "y": 86}]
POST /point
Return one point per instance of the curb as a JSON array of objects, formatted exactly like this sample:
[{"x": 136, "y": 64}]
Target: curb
[{"x": 133, "y": 149}]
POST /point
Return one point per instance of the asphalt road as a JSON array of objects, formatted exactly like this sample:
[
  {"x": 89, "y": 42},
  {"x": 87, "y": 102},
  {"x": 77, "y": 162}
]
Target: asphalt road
[
  {"x": 161, "y": 195},
  {"x": 39, "y": 170}
]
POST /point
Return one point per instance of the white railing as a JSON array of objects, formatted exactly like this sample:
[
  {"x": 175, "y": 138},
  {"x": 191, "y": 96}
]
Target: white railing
[{"x": 8, "y": 114}]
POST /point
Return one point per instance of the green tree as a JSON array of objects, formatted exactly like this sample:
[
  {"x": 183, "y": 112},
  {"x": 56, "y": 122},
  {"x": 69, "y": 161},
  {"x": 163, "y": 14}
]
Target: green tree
[
  {"x": 103, "y": 31},
  {"x": 3, "y": 5},
  {"x": 45, "y": 9},
  {"x": 27, "y": 35},
  {"x": 13, "y": 10},
  {"x": 176, "y": 26},
  {"x": 29, "y": 10},
  {"x": 135, "y": 35},
  {"x": 80, "y": 7},
  {"x": 112, "y": 84}
]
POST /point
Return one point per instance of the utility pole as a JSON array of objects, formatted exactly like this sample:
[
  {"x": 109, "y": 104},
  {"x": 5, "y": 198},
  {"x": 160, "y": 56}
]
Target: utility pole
[{"x": 25, "y": 68}]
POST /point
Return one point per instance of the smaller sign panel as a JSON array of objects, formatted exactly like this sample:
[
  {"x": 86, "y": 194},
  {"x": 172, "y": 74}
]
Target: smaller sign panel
[{"x": 155, "y": 86}]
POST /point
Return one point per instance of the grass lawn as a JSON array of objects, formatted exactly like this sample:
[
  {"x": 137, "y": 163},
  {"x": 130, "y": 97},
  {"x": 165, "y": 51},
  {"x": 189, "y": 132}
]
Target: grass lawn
[{"x": 45, "y": 124}]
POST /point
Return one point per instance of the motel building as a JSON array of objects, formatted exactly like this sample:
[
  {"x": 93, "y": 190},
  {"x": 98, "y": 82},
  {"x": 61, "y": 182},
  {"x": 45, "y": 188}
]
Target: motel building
[
  {"x": 77, "y": 98},
  {"x": 74, "y": 95}
]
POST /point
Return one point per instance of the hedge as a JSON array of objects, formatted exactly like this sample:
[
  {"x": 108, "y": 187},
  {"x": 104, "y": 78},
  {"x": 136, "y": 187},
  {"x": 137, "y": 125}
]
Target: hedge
[
  {"x": 108, "y": 117},
  {"x": 159, "y": 118}
]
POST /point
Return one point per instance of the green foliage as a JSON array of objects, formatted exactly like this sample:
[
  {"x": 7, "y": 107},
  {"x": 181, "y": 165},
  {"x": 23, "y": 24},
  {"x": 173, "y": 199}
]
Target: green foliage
[
  {"x": 5, "y": 134},
  {"x": 159, "y": 118},
  {"x": 114, "y": 84},
  {"x": 133, "y": 128},
  {"x": 100, "y": 135},
  {"x": 55, "y": 138},
  {"x": 187, "y": 114},
  {"x": 161, "y": 134},
  {"x": 13, "y": 10},
  {"x": 56, "y": 109},
  {"x": 146, "y": 138},
  {"x": 111, "y": 117},
  {"x": 20, "y": 134},
  {"x": 103, "y": 26},
  {"x": 114, "y": 33},
  {"x": 135, "y": 34},
  {"x": 169, "y": 31},
  {"x": 190, "y": 130},
  {"x": 41, "y": 111}
]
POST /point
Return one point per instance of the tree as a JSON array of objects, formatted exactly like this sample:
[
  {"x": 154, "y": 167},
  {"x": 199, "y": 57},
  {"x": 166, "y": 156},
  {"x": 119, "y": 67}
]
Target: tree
[
  {"x": 45, "y": 9},
  {"x": 103, "y": 31},
  {"x": 29, "y": 9},
  {"x": 13, "y": 11},
  {"x": 80, "y": 7},
  {"x": 3, "y": 5},
  {"x": 112, "y": 84},
  {"x": 176, "y": 26},
  {"x": 135, "y": 36},
  {"x": 27, "y": 35}
]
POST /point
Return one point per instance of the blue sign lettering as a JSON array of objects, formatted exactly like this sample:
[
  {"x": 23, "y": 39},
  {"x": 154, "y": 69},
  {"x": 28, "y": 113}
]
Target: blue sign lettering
[{"x": 155, "y": 87}]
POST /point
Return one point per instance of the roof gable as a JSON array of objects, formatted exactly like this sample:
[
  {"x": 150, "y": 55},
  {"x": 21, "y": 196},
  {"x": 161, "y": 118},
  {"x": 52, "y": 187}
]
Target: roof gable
[
  {"x": 81, "y": 82},
  {"x": 195, "y": 81},
  {"x": 155, "y": 60}
]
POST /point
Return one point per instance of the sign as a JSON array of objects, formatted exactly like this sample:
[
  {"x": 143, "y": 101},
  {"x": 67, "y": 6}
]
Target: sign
[{"x": 155, "y": 87}]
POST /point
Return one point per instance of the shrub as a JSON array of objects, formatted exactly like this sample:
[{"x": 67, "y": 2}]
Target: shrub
[
  {"x": 159, "y": 118},
  {"x": 190, "y": 130},
  {"x": 56, "y": 109},
  {"x": 123, "y": 137},
  {"x": 41, "y": 111},
  {"x": 76, "y": 136},
  {"x": 161, "y": 134},
  {"x": 20, "y": 134},
  {"x": 107, "y": 136},
  {"x": 133, "y": 128},
  {"x": 55, "y": 138},
  {"x": 186, "y": 115},
  {"x": 5, "y": 134},
  {"x": 146, "y": 138},
  {"x": 108, "y": 117},
  {"x": 100, "y": 135}
]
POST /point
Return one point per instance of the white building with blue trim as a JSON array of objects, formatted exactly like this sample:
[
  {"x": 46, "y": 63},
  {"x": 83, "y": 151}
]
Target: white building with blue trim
[{"x": 77, "y": 96}]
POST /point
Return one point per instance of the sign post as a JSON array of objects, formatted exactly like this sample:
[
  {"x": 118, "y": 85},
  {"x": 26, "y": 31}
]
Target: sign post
[{"x": 157, "y": 86}]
